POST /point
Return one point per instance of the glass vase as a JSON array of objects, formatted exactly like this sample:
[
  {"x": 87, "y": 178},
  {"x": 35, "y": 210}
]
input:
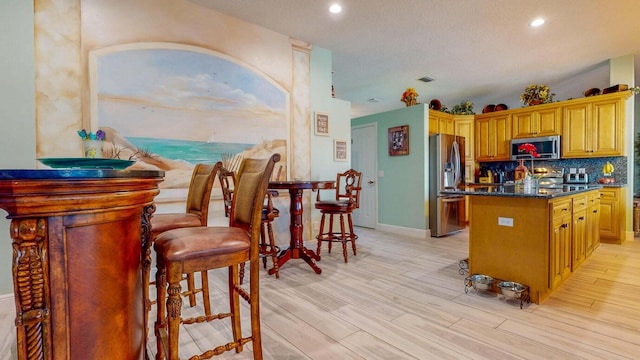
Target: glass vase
[
  {"x": 528, "y": 183},
  {"x": 93, "y": 149}
]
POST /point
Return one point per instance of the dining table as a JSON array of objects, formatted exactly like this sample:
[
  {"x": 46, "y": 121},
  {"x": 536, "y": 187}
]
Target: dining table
[{"x": 297, "y": 250}]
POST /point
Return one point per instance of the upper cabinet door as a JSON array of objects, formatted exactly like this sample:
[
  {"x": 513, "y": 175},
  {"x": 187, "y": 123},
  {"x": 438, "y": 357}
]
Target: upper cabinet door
[
  {"x": 539, "y": 120},
  {"x": 608, "y": 139},
  {"x": 493, "y": 137},
  {"x": 576, "y": 122},
  {"x": 593, "y": 129}
]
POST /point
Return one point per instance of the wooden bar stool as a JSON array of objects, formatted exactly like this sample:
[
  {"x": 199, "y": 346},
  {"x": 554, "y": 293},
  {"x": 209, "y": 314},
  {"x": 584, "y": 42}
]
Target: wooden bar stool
[
  {"x": 346, "y": 200},
  {"x": 268, "y": 247},
  {"x": 188, "y": 250},
  {"x": 196, "y": 214}
]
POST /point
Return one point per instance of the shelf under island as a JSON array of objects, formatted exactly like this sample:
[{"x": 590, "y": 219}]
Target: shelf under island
[{"x": 536, "y": 237}]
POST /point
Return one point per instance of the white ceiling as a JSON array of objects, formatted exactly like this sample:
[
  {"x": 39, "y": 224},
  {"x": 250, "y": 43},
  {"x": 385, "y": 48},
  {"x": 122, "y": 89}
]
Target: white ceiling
[{"x": 481, "y": 50}]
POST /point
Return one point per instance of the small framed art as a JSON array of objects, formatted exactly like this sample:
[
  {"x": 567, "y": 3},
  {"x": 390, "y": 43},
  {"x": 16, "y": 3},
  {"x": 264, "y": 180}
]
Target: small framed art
[
  {"x": 399, "y": 140},
  {"x": 339, "y": 150},
  {"x": 321, "y": 124}
]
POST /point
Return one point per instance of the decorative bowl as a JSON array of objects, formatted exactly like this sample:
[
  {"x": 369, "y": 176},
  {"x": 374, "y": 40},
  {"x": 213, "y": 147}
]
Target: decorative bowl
[
  {"x": 489, "y": 108},
  {"x": 435, "y": 104},
  {"x": 481, "y": 282},
  {"x": 501, "y": 107},
  {"x": 607, "y": 180},
  {"x": 511, "y": 289},
  {"x": 86, "y": 163},
  {"x": 592, "y": 92}
]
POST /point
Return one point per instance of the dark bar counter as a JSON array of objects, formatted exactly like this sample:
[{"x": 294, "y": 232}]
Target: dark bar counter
[{"x": 80, "y": 240}]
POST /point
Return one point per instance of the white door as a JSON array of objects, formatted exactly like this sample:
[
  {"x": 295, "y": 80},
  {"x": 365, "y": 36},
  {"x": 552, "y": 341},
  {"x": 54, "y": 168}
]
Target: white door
[{"x": 363, "y": 159}]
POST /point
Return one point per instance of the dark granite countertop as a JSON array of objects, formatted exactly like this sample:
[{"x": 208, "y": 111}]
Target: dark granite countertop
[
  {"x": 513, "y": 190},
  {"x": 75, "y": 174}
]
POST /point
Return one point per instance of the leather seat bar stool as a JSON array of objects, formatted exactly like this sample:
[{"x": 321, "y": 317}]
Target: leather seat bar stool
[
  {"x": 187, "y": 250},
  {"x": 196, "y": 214},
  {"x": 347, "y": 199},
  {"x": 268, "y": 247}
]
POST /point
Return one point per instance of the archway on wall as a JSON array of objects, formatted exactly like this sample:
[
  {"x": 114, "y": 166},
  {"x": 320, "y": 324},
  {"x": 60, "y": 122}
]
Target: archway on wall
[{"x": 170, "y": 106}]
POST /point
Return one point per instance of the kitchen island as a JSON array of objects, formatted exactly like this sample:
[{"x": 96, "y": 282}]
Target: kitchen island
[{"x": 536, "y": 237}]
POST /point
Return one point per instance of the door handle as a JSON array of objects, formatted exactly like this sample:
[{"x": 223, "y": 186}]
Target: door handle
[{"x": 371, "y": 182}]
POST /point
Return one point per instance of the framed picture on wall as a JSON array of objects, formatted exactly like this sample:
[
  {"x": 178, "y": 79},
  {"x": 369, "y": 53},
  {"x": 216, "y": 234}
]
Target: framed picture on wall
[
  {"x": 399, "y": 140},
  {"x": 339, "y": 150},
  {"x": 321, "y": 124}
]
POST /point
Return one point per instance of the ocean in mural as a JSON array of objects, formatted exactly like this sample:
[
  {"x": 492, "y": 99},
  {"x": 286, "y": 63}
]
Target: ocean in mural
[{"x": 192, "y": 152}]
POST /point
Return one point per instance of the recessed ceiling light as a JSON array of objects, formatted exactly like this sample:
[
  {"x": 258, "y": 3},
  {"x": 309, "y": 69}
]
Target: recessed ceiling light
[
  {"x": 537, "y": 22},
  {"x": 335, "y": 8},
  {"x": 374, "y": 99},
  {"x": 426, "y": 79}
]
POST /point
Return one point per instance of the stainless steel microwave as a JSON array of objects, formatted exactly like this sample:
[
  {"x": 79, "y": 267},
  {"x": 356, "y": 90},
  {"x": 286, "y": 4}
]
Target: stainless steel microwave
[{"x": 548, "y": 147}]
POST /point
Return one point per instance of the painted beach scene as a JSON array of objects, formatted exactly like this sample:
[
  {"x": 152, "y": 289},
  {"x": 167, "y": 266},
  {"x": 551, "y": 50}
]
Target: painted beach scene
[{"x": 171, "y": 108}]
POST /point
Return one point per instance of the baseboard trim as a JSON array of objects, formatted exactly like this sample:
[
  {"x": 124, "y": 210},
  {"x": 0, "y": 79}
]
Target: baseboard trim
[
  {"x": 403, "y": 230},
  {"x": 6, "y": 298}
]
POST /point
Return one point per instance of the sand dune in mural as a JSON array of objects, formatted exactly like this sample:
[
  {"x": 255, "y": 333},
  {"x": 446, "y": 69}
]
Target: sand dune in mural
[{"x": 177, "y": 172}]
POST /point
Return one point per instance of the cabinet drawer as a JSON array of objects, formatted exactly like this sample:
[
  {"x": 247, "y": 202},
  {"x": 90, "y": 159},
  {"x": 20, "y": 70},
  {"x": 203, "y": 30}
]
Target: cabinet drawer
[
  {"x": 561, "y": 208},
  {"x": 580, "y": 202},
  {"x": 609, "y": 194}
]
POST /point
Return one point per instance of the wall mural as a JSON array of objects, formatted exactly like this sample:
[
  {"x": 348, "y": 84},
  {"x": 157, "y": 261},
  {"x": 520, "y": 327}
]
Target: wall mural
[{"x": 172, "y": 106}]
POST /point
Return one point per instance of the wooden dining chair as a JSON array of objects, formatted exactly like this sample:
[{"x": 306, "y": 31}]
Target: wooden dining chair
[
  {"x": 347, "y": 199},
  {"x": 185, "y": 250},
  {"x": 196, "y": 214}
]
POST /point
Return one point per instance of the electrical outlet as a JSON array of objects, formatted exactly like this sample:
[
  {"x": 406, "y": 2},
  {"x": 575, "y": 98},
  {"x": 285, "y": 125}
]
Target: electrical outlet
[
  {"x": 504, "y": 221},
  {"x": 316, "y": 226}
]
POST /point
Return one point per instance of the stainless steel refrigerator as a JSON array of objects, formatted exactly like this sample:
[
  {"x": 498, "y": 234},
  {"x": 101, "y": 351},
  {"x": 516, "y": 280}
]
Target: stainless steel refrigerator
[{"x": 446, "y": 171}]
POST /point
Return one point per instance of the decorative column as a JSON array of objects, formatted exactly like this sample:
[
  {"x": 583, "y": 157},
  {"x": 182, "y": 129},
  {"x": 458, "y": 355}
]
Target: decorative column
[{"x": 301, "y": 122}]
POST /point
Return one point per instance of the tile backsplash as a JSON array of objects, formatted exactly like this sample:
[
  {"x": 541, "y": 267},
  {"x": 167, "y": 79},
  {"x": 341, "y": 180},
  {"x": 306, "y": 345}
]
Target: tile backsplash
[{"x": 593, "y": 167}]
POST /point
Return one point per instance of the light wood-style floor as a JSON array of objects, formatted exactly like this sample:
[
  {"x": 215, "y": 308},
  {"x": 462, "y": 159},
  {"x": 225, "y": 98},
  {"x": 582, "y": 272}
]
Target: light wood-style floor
[{"x": 403, "y": 298}]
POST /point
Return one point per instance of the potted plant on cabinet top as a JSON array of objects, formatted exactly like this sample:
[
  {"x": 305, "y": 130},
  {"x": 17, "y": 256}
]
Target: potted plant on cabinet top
[
  {"x": 537, "y": 94},
  {"x": 464, "y": 108}
]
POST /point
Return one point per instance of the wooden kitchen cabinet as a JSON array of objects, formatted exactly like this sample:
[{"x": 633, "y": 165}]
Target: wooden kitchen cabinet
[
  {"x": 593, "y": 223},
  {"x": 527, "y": 239},
  {"x": 560, "y": 244},
  {"x": 464, "y": 126},
  {"x": 440, "y": 123},
  {"x": 594, "y": 128},
  {"x": 492, "y": 137},
  {"x": 579, "y": 228},
  {"x": 539, "y": 120},
  {"x": 612, "y": 221}
]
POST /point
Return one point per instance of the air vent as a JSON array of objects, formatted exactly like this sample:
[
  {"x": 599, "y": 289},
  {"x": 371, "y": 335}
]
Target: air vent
[{"x": 426, "y": 79}]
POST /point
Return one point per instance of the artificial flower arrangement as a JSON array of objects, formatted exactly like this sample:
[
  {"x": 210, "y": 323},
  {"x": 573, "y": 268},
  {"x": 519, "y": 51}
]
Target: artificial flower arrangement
[
  {"x": 92, "y": 143},
  {"x": 533, "y": 151},
  {"x": 537, "y": 94},
  {"x": 409, "y": 97},
  {"x": 99, "y": 135},
  {"x": 464, "y": 108},
  {"x": 529, "y": 149}
]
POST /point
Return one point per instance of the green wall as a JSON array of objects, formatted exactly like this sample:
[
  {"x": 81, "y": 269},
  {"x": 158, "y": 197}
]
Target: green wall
[
  {"x": 403, "y": 190},
  {"x": 17, "y": 109}
]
